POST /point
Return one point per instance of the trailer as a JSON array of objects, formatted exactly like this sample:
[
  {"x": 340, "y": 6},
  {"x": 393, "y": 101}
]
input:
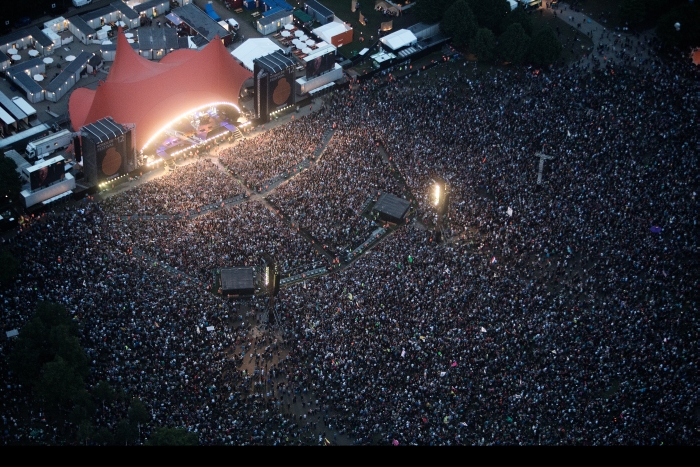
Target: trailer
[
  {"x": 19, "y": 141},
  {"x": 48, "y": 145}
]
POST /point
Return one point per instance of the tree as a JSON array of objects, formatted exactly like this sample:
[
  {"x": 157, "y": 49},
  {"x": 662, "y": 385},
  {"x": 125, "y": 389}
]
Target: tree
[
  {"x": 489, "y": 14},
  {"x": 514, "y": 44},
  {"x": 50, "y": 332},
  {"x": 58, "y": 383},
  {"x": 85, "y": 432},
  {"x": 459, "y": 23},
  {"x": 103, "y": 392},
  {"x": 688, "y": 16},
  {"x": 9, "y": 269},
  {"x": 125, "y": 433},
  {"x": 545, "y": 47},
  {"x": 138, "y": 415},
  {"x": 484, "y": 45},
  {"x": 10, "y": 181},
  {"x": 431, "y": 11},
  {"x": 172, "y": 437},
  {"x": 520, "y": 16},
  {"x": 633, "y": 11},
  {"x": 103, "y": 436}
]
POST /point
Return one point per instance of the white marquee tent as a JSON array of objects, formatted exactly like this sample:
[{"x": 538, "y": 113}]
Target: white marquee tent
[
  {"x": 252, "y": 49},
  {"x": 399, "y": 39}
]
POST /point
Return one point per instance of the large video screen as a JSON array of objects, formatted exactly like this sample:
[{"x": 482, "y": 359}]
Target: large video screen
[
  {"x": 111, "y": 156},
  {"x": 45, "y": 176},
  {"x": 320, "y": 65}
]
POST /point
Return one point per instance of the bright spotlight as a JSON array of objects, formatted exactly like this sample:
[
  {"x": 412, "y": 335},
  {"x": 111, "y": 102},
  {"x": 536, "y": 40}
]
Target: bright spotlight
[{"x": 437, "y": 194}]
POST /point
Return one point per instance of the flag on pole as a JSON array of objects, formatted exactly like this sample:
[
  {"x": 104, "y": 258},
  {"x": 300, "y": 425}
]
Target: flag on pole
[{"x": 493, "y": 260}]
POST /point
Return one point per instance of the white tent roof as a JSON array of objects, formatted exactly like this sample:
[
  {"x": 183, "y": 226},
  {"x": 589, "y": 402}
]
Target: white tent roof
[
  {"x": 252, "y": 49},
  {"x": 398, "y": 39},
  {"x": 329, "y": 30},
  {"x": 24, "y": 106}
]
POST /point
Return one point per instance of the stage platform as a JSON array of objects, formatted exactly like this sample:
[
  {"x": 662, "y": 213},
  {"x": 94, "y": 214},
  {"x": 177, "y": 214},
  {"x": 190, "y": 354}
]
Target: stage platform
[
  {"x": 238, "y": 281},
  {"x": 391, "y": 208}
]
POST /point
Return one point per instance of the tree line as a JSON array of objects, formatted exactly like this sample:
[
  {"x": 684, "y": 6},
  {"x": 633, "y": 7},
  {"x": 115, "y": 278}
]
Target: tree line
[
  {"x": 491, "y": 31},
  {"x": 48, "y": 360}
]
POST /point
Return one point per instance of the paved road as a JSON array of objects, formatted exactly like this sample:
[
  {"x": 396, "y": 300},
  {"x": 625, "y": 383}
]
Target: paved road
[{"x": 600, "y": 35}]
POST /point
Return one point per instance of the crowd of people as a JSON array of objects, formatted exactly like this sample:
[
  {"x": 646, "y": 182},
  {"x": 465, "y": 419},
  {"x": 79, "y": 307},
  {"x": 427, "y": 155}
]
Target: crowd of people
[
  {"x": 233, "y": 236},
  {"x": 185, "y": 189},
  {"x": 328, "y": 198},
  {"x": 259, "y": 159},
  {"x": 560, "y": 313}
]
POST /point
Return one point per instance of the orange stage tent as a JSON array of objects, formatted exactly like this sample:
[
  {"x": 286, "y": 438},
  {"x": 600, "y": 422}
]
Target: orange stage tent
[{"x": 152, "y": 94}]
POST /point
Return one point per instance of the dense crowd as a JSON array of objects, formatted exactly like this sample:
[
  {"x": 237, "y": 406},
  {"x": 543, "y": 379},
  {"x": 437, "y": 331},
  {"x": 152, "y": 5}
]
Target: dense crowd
[
  {"x": 233, "y": 236},
  {"x": 259, "y": 159},
  {"x": 571, "y": 321},
  {"x": 185, "y": 189},
  {"x": 328, "y": 199}
]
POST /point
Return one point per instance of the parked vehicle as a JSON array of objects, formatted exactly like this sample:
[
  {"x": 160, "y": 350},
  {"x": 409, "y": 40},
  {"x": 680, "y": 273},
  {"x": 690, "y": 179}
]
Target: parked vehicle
[{"x": 49, "y": 144}]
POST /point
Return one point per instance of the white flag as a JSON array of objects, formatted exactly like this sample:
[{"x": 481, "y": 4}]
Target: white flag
[{"x": 510, "y": 212}]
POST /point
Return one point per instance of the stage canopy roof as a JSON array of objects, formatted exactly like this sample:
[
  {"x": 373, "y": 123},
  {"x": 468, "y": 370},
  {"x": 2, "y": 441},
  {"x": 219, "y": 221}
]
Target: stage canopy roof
[
  {"x": 252, "y": 49},
  {"x": 152, "y": 94},
  {"x": 398, "y": 39}
]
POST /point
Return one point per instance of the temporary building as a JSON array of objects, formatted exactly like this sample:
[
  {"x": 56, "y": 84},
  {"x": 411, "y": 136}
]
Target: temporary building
[
  {"x": 151, "y": 94},
  {"x": 336, "y": 33},
  {"x": 252, "y": 49},
  {"x": 399, "y": 39}
]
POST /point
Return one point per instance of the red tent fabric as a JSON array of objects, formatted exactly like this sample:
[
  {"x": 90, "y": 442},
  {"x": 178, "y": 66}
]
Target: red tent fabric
[{"x": 151, "y": 94}]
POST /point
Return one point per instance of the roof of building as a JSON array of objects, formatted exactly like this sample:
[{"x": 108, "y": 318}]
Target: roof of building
[
  {"x": 32, "y": 31},
  {"x": 274, "y": 17},
  {"x": 155, "y": 38},
  {"x": 11, "y": 108},
  {"x": 150, "y": 4},
  {"x": 4, "y": 58},
  {"x": 327, "y": 31},
  {"x": 76, "y": 66},
  {"x": 81, "y": 25},
  {"x": 27, "y": 83},
  {"x": 398, "y": 39},
  {"x": 127, "y": 10},
  {"x": 150, "y": 94},
  {"x": 313, "y": 4},
  {"x": 103, "y": 130},
  {"x": 275, "y": 62},
  {"x": 100, "y": 12},
  {"x": 252, "y": 49},
  {"x": 200, "y": 21}
]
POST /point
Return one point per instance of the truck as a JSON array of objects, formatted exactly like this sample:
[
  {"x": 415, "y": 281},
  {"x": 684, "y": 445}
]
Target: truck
[
  {"x": 49, "y": 144},
  {"x": 19, "y": 140}
]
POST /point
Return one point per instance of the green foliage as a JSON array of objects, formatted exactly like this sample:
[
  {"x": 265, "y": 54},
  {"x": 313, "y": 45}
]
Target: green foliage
[
  {"x": 50, "y": 333},
  {"x": 173, "y": 437},
  {"x": 633, "y": 11},
  {"x": 85, "y": 432},
  {"x": 10, "y": 182},
  {"x": 103, "y": 436},
  {"x": 514, "y": 44},
  {"x": 104, "y": 392},
  {"x": 138, "y": 414},
  {"x": 484, "y": 45},
  {"x": 688, "y": 15},
  {"x": 125, "y": 433},
  {"x": 519, "y": 16},
  {"x": 489, "y": 14},
  {"x": 9, "y": 269},
  {"x": 459, "y": 23},
  {"x": 58, "y": 383},
  {"x": 545, "y": 48},
  {"x": 431, "y": 11}
]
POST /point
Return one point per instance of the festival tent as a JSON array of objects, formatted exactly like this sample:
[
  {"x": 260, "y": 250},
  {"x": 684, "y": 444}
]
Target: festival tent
[
  {"x": 151, "y": 94},
  {"x": 399, "y": 39},
  {"x": 251, "y": 49}
]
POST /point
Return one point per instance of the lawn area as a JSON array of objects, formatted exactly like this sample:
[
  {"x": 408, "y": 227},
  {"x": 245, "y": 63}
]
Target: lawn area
[{"x": 373, "y": 18}]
